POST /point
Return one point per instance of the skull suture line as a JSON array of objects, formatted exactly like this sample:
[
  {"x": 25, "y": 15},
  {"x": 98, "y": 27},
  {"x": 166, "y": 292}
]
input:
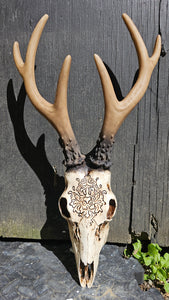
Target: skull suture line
[{"x": 88, "y": 204}]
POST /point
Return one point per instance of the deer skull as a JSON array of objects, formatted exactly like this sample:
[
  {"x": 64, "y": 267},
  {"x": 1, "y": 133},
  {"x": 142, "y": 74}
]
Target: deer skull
[{"x": 87, "y": 203}]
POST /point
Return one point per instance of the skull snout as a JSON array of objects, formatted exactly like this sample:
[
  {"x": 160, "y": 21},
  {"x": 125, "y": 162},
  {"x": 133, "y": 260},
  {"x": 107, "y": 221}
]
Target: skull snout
[
  {"x": 86, "y": 274},
  {"x": 88, "y": 256}
]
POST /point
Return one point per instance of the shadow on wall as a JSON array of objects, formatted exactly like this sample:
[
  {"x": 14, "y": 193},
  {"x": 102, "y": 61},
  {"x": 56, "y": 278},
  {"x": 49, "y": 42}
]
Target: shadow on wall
[
  {"x": 115, "y": 83},
  {"x": 36, "y": 158}
]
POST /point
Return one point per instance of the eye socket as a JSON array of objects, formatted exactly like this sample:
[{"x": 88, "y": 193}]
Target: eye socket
[
  {"x": 112, "y": 209},
  {"x": 63, "y": 207}
]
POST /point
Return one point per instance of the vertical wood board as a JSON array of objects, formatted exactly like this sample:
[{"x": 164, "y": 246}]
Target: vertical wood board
[{"x": 151, "y": 193}]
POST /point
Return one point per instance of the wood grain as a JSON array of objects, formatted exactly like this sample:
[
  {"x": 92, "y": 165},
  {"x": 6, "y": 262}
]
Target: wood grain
[{"x": 150, "y": 198}]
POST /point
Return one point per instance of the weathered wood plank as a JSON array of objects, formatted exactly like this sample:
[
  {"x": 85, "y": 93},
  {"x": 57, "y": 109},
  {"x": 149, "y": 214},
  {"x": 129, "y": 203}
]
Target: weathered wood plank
[
  {"x": 162, "y": 191},
  {"x": 151, "y": 193}
]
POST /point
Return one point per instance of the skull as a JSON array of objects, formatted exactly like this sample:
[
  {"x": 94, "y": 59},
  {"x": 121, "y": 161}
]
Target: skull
[{"x": 88, "y": 204}]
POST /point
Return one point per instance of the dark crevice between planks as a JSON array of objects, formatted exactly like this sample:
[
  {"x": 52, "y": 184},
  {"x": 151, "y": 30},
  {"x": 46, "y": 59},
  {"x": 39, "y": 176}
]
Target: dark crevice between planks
[
  {"x": 158, "y": 70},
  {"x": 153, "y": 220},
  {"x": 132, "y": 192},
  {"x": 134, "y": 158}
]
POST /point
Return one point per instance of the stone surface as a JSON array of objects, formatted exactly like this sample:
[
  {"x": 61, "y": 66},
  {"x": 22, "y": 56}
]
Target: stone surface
[{"x": 48, "y": 271}]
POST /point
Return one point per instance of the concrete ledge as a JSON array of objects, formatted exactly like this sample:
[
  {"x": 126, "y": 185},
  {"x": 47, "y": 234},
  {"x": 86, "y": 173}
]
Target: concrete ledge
[{"x": 32, "y": 271}]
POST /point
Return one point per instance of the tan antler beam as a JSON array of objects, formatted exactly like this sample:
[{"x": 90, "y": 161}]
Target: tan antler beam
[
  {"x": 56, "y": 113},
  {"x": 116, "y": 111}
]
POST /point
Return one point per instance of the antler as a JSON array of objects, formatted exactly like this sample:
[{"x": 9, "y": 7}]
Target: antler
[
  {"x": 56, "y": 113},
  {"x": 116, "y": 111}
]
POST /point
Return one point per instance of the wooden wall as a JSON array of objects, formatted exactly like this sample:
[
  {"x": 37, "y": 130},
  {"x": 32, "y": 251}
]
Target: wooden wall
[{"x": 29, "y": 147}]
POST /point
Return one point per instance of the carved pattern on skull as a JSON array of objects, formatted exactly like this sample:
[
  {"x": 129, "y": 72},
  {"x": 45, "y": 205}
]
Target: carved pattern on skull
[{"x": 87, "y": 198}]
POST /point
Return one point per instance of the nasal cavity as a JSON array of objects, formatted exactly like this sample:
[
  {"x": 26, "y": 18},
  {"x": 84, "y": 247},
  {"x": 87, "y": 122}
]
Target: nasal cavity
[
  {"x": 111, "y": 210},
  {"x": 90, "y": 270},
  {"x": 63, "y": 206},
  {"x": 86, "y": 270}
]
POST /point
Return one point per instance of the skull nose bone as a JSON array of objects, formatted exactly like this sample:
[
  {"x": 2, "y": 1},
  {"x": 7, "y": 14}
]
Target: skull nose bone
[{"x": 86, "y": 272}]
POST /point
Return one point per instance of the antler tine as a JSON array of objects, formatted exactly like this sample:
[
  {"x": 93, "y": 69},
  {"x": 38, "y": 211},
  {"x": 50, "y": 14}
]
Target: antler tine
[
  {"x": 115, "y": 111},
  {"x": 56, "y": 113},
  {"x": 146, "y": 65}
]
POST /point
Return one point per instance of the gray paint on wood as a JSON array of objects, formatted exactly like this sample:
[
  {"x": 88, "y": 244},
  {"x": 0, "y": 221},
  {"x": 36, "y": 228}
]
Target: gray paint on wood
[
  {"x": 151, "y": 189},
  {"x": 28, "y": 153}
]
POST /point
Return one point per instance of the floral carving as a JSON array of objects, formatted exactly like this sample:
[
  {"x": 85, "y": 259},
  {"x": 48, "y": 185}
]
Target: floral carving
[{"x": 87, "y": 198}]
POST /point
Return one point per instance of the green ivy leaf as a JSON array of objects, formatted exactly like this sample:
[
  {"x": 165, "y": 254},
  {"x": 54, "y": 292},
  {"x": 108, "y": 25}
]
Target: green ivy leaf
[
  {"x": 127, "y": 253},
  {"x": 146, "y": 277},
  {"x": 147, "y": 260},
  {"x": 143, "y": 254},
  {"x": 137, "y": 246},
  {"x": 166, "y": 265},
  {"x": 161, "y": 274},
  {"x": 157, "y": 258},
  {"x": 154, "y": 269},
  {"x": 153, "y": 250},
  {"x": 166, "y": 258},
  {"x": 137, "y": 255},
  {"x": 152, "y": 277},
  {"x": 158, "y": 247},
  {"x": 137, "y": 251},
  {"x": 162, "y": 261},
  {"x": 166, "y": 287}
]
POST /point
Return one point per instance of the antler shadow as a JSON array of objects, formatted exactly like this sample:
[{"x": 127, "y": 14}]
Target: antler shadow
[
  {"x": 36, "y": 158},
  {"x": 52, "y": 183},
  {"x": 115, "y": 83}
]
